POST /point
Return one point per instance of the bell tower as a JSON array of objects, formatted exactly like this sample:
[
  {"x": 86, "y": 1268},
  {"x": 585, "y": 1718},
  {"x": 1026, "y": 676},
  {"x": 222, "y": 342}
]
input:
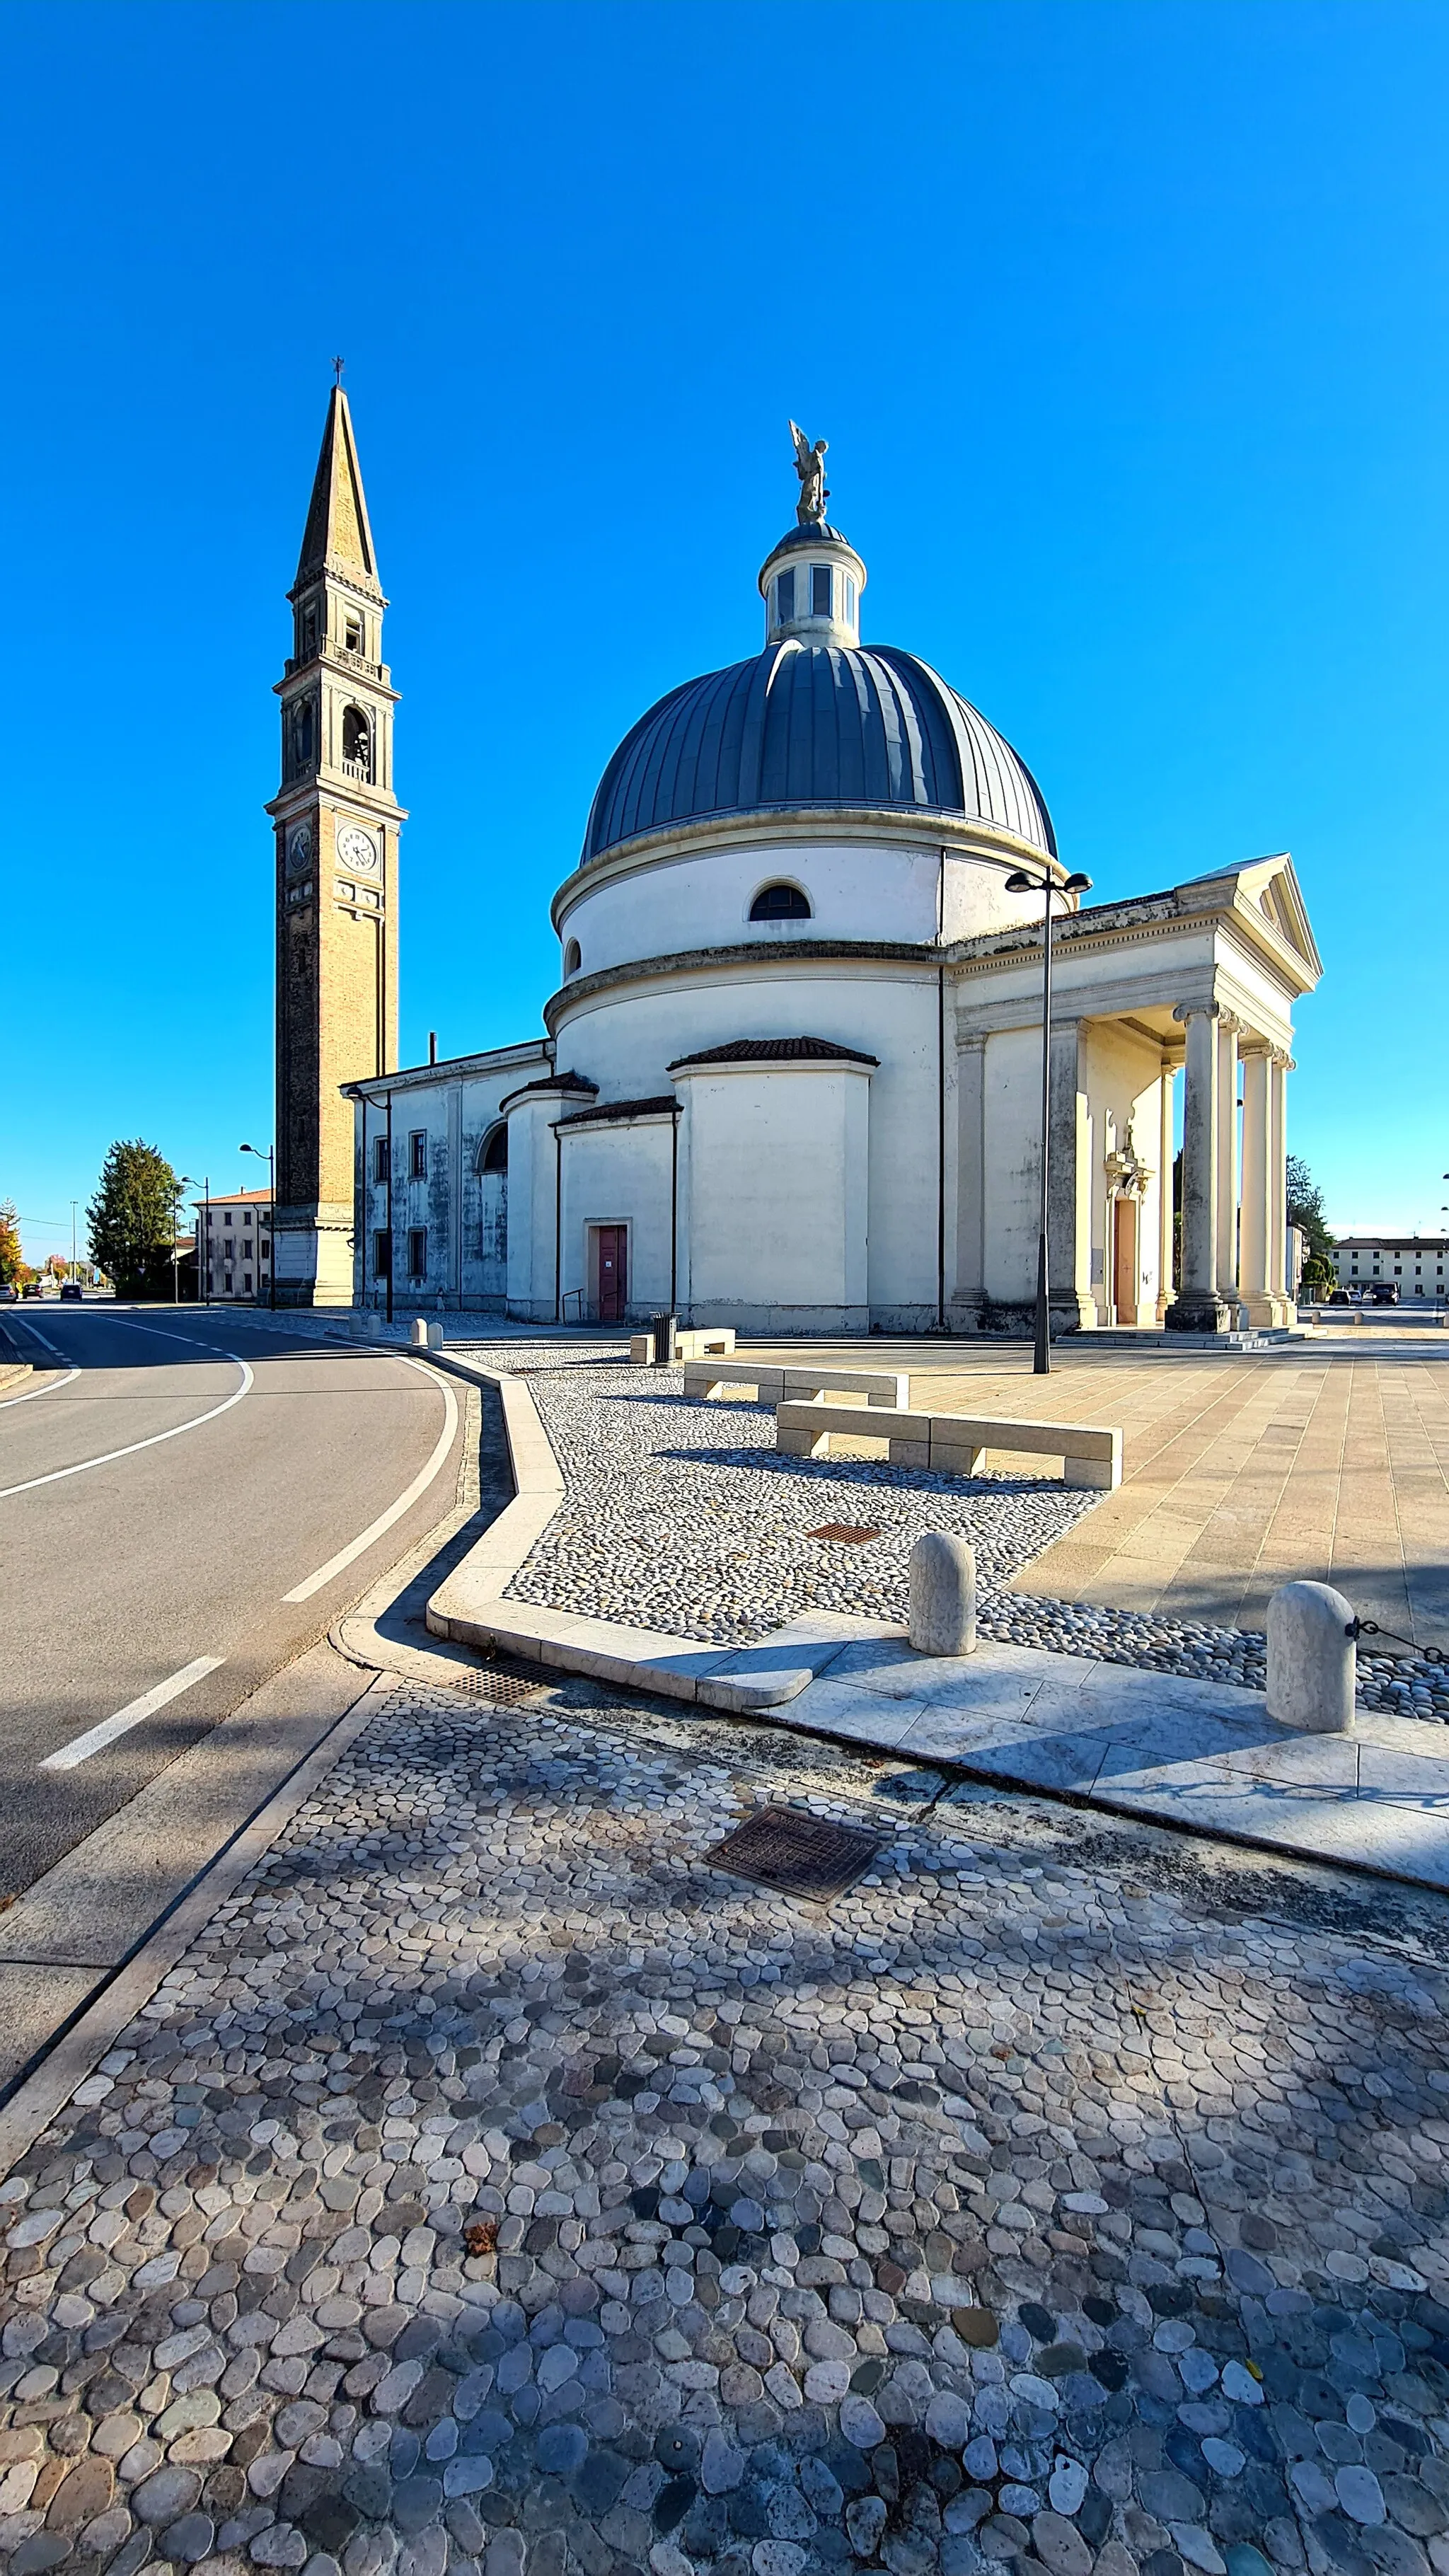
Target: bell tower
[{"x": 337, "y": 823}]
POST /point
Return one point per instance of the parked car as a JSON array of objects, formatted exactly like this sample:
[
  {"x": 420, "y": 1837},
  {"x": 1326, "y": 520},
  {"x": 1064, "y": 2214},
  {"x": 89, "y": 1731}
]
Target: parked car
[
  {"x": 1340, "y": 1297},
  {"x": 1385, "y": 1292},
  {"x": 70, "y": 1292},
  {"x": 32, "y": 1288}
]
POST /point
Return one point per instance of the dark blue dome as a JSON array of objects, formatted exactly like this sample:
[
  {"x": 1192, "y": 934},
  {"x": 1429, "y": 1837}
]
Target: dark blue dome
[{"x": 814, "y": 724}]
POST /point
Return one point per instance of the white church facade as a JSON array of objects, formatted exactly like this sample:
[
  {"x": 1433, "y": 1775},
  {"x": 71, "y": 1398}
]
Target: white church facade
[{"x": 791, "y": 1074}]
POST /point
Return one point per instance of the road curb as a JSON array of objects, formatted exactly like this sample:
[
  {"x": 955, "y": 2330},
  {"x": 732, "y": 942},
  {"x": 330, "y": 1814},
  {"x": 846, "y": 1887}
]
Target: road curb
[{"x": 81, "y": 2045}]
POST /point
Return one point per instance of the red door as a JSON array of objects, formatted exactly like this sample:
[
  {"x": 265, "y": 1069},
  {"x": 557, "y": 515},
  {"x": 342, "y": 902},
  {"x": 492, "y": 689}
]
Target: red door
[{"x": 613, "y": 1273}]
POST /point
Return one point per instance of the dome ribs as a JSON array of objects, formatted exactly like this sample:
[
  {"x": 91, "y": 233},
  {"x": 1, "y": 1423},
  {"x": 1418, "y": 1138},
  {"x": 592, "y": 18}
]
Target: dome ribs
[{"x": 802, "y": 725}]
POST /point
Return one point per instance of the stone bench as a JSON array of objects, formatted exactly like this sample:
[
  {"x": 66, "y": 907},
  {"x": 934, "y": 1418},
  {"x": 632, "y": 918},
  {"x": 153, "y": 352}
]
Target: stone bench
[
  {"x": 954, "y": 1444},
  {"x": 695, "y": 1345},
  {"x": 773, "y": 1385}
]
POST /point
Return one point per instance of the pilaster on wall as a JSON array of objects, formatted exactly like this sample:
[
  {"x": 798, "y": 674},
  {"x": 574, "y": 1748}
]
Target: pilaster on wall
[
  {"x": 1069, "y": 1203},
  {"x": 970, "y": 1237}
]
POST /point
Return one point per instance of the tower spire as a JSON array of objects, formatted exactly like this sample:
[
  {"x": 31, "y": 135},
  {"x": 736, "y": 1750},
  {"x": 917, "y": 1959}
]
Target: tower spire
[{"x": 337, "y": 537}]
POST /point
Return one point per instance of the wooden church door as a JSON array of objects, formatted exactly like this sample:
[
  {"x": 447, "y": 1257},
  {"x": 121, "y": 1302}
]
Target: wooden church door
[{"x": 613, "y": 1273}]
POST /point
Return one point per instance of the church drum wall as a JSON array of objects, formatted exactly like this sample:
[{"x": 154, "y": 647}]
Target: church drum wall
[{"x": 626, "y": 1041}]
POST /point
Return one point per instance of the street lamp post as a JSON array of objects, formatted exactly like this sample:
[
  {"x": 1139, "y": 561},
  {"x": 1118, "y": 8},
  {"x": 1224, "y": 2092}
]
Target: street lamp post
[
  {"x": 1019, "y": 882},
  {"x": 185, "y": 1182},
  {"x": 267, "y": 1155}
]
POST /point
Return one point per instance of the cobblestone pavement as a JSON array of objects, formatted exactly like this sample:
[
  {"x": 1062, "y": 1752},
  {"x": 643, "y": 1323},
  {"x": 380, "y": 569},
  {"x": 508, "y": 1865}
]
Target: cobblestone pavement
[
  {"x": 683, "y": 1517},
  {"x": 495, "y": 2186}
]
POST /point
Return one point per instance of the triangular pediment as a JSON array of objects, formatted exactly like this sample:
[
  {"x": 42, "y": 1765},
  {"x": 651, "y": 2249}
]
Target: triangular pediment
[{"x": 1265, "y": 895}]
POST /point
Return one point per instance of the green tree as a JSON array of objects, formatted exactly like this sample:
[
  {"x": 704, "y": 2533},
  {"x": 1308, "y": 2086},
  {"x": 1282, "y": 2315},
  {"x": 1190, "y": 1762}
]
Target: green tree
[
  {"x": 1305, "y": 1210},
  {"x": 131, "y": 1217},
  {"x": 12, "y": 1259}
]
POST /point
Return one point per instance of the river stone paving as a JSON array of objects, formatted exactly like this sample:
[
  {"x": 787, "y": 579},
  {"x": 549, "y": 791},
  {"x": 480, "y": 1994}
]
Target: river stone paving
[
  {"x": 495, "y": 2187},
  {"x": 683, "y": 1517}
]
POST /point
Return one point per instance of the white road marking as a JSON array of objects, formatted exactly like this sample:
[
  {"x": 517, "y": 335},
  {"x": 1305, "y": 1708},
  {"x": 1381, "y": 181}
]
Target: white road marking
[
  {"x": 395, "y": 1511},
  {"x": 81, "y": 1747},
  {"x": 57, "y": 1474},
  {"x": 53, "y": 1389}
]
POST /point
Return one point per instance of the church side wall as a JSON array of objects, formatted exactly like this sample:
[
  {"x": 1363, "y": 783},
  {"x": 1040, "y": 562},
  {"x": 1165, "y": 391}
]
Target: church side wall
[
  {"x": 1009, "y": 1164},
  {"x": 450, "y": 1202}
]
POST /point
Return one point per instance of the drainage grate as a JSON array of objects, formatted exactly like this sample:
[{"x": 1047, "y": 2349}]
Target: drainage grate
[
  {"x": 844, "y": 1533},
  {"x": 501, "y": 1690},
  {"x": 798, "y": 1854}
]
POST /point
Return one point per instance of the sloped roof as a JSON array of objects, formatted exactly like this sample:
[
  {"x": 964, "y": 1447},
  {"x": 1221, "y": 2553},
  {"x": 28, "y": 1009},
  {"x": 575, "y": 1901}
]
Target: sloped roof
[{"x": 774, "y": 1051}]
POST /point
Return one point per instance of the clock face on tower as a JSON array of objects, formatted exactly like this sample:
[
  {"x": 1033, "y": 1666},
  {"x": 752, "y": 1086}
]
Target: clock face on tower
[
  {"x": 357, "y": 849},
  {"x": 299, "y": 850}
]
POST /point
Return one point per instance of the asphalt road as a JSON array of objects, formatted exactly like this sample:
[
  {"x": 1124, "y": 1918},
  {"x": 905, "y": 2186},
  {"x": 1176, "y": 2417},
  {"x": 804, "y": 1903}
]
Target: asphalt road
[{"x": 162, "y": 1493}]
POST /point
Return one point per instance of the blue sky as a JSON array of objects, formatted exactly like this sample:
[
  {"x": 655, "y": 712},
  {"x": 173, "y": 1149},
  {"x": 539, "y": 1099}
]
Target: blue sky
[{"x": 1126, "y": 325}]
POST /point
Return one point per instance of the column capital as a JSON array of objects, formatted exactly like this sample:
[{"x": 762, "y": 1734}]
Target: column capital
[
  {"x": 1283, "y": 1060},
  {"x": 1185, "y": 1011},
  {"x": 1250, "y": 1046}
]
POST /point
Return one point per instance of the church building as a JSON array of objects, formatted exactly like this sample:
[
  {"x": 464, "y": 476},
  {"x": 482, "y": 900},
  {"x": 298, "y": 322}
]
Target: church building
[{"x": 790, "y": 1077}]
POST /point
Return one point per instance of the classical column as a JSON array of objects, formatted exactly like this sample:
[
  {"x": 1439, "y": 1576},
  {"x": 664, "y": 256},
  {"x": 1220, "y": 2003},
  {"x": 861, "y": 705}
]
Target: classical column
[
  {"x": 1197, "y": 1307},
  {"x": 1278, "y": 1282},
  {"x": 1165, "y": 1156},
  {"x": 1227, "y": 1260},
  {"x": 1254, "y": 1279}
]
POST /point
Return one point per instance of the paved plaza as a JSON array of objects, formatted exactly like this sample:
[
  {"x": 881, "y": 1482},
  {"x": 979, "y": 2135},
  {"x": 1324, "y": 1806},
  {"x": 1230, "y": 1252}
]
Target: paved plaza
[
  {"x": 1241, "y": 1471},
  {"x": 498, "y": 2185}
]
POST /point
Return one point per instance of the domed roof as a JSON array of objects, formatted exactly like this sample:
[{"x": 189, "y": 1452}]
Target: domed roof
[{"x": 805, "y": 724}]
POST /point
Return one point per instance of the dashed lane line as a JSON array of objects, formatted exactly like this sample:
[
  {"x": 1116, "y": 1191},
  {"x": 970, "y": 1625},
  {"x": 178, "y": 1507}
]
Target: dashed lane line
[{"x": 96, "y": 1738}]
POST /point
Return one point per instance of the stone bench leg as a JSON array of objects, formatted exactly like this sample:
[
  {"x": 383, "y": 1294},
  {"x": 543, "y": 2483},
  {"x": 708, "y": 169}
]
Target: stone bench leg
[
  {"x": 1099, "y": 1475},
  {"x": 802, "y": 1444},
  {"x": 956, "y": 1462},
  {"x": 906, "y": 1453}
]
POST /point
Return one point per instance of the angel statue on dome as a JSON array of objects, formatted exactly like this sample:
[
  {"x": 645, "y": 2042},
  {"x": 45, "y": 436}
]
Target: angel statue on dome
[{"x": 810, "y": 466}]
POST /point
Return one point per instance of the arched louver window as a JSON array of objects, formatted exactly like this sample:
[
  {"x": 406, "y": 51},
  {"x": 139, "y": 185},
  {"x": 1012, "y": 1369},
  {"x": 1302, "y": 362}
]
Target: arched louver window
[
  {"x": 780, "y": 903},
  {"x": 494, "y": 1157},
  {"x": 573, "y": 958}
]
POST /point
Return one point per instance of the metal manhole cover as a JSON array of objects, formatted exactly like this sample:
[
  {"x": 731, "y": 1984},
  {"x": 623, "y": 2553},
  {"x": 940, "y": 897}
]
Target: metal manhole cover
[
  {"x": 845, "y": 1533},
  {"x": 796, "y": 1854}
]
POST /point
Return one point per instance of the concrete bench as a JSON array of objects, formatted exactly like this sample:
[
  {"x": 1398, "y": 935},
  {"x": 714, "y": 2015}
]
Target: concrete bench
[
  {"x": 954, "y": 1444},
  {"x": 694, "y": 1345},
  {"x": 775, "y": 1384}
]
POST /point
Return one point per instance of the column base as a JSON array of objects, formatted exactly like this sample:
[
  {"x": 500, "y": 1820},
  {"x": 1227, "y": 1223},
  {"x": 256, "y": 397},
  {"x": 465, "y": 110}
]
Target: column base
[
  {"x": 1195, "y": 1310},
  {"x": 1269, "y": 1313}
]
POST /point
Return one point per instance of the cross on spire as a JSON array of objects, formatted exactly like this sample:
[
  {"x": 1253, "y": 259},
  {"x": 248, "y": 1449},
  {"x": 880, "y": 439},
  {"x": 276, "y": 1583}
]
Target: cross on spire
[{"x": 337, "y": 366}]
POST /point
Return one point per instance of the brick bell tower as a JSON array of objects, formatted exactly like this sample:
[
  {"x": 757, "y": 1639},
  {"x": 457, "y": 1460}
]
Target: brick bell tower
[{"x": 337, "y": 825}]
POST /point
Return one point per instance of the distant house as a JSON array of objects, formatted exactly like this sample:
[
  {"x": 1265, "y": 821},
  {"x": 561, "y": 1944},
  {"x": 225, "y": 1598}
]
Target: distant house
[
  {"x": 1413, "y": 1263},
  {"x": 236, "y": 1236}
]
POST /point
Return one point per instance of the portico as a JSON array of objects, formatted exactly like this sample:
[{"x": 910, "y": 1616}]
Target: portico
[{"x": 1202, "y": 979}]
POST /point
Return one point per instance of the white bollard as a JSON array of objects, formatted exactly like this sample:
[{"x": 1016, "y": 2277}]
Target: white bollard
[
  {"x": 1312, "y": 1658},
  {"x": 943, "y": 1595},
  {"x": 418, "y": 1333}
]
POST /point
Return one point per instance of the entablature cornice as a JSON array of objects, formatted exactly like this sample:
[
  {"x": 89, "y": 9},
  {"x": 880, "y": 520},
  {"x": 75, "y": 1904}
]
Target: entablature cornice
[
  {"x": 694, "y": 965},
  {"x": 1135, "y": 923}
]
